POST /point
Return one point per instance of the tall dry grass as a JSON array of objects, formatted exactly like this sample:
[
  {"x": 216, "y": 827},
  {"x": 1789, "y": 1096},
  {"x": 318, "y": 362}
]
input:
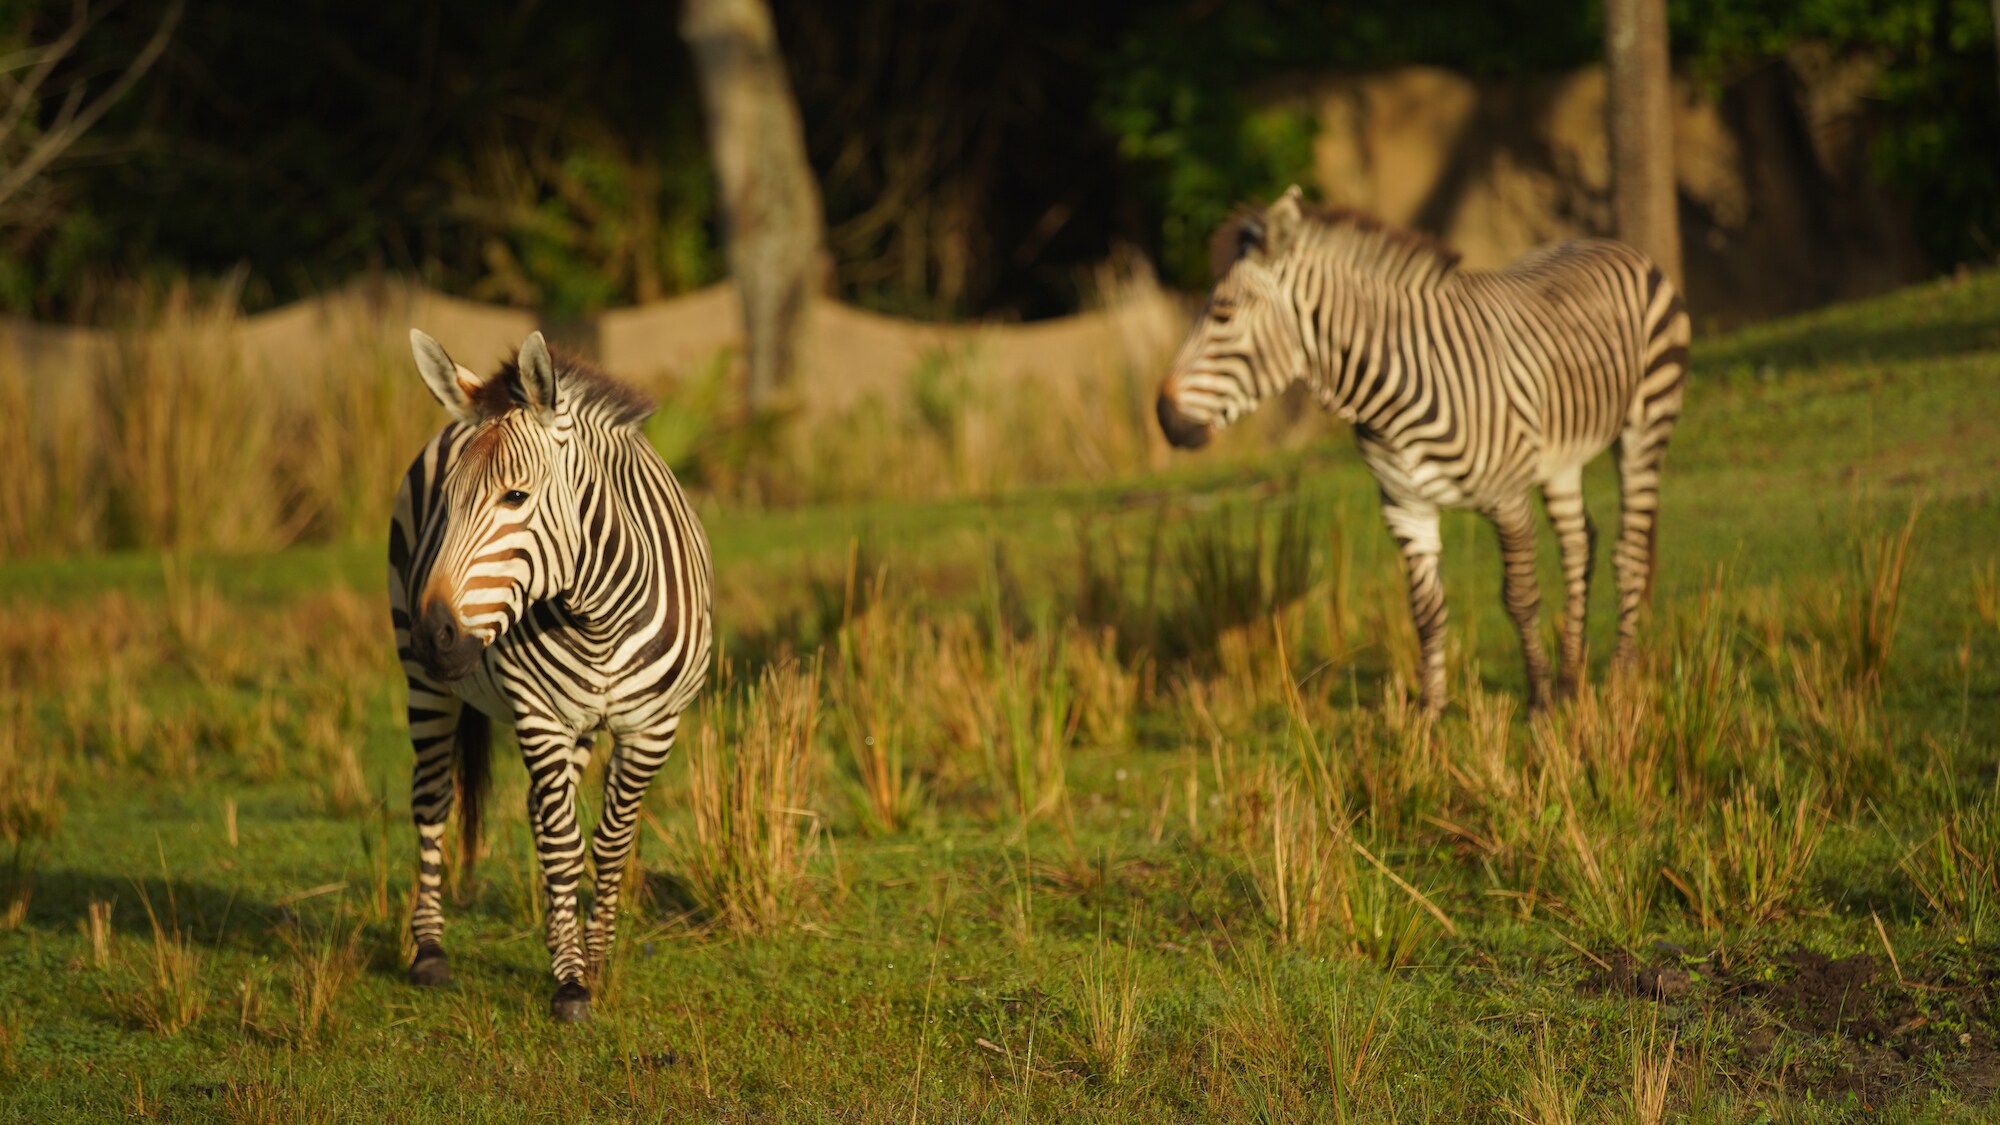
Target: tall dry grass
[
  {"x": 31, "y": 807},
  {"x": 168, "y": 992},
  {"x": 171, "y": 435},
  {"x": 1957, "y": 867},
  {"x": 1879, "y": 561},
  {"x": 169, "y": 438},
  {"x": 754, "y": 830},
  {"x": 323, "y": 958},
  {"x": 878, "y": 725},
  {"x": 1753, "y": 866}
]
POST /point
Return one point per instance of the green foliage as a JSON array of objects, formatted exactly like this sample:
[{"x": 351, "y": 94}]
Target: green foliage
[
  {"x": 1936, "y": 87},
  {"x": 974, "y": 158}
]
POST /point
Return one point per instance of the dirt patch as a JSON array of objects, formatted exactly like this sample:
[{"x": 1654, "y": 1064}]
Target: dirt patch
[
  {"x": 1850, "y": 996},
  {"x": 1876, "y": 1034}
]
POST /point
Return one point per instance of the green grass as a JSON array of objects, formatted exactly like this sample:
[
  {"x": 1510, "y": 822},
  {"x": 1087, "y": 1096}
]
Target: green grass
[{"x": 1507, "y": 949}]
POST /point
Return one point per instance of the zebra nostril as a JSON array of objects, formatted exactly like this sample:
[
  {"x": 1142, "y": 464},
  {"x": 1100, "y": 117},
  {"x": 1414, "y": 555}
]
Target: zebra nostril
[{"x": 447, "y": 633}]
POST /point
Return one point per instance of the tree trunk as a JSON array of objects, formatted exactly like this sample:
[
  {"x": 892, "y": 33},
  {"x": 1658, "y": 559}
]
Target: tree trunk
[
  {"x": 1639, "y": 112},
  {"x": 770, "y": 201},
  {"x": 1996, "y": 36}
]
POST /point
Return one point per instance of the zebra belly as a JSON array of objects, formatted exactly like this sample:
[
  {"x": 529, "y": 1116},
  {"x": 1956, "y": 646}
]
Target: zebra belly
[
  {"x": 1408, "y": 477},
  {"x": 1566, "y": 463},
  {"x": 583, "y": 700}
]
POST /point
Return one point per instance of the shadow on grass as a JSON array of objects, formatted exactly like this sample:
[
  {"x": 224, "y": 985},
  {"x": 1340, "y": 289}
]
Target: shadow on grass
[{"x": 210, "y": 915}]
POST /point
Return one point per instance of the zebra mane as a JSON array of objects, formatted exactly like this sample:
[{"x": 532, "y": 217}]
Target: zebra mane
[
  {"x": 1376, "y": 246},
  {"x": 575, "y": 377},
  {"x": 1348, "y": 236}
]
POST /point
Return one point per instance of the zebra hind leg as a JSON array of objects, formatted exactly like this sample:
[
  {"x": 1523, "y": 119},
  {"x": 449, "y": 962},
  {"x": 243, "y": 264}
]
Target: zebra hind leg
[
  {"x": 434, "y": 724},
  {"x": 635, "y": 760},
  {"x": 1563, "y": 498},
  {"x": 551, "y": 757},
  {"x": 1415, "y": 529},
  {"x": 1641, "y": 450},
  {"x": 1521, "y": 593}
]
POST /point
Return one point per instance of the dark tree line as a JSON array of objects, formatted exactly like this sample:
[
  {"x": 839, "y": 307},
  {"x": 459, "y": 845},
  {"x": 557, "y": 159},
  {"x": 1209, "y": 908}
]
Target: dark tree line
[{"x": 973, "y": 157}]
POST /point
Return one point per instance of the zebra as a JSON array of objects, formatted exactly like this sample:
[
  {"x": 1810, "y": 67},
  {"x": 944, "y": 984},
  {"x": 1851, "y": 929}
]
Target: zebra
[
  {"x": 1465, "y": 389},
  {"x": 545, "y": 570}
]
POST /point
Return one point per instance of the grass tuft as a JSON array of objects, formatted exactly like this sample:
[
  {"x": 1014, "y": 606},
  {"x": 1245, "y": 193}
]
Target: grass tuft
[
  {"x": 1108, "y": 1005},
  {"x": 1957, "y": 868},
  {"x": 1879, "y": 563},
  {"x": 870, "y": 689},
  {"x": 753, "y": 830},
  {"x": 322, "y": 961},
  {"x": 169, "y": 993}
]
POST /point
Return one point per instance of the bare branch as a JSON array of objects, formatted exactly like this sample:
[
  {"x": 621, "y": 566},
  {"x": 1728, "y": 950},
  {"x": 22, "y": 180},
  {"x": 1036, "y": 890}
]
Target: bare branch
[
  {"x": 51, "y": 57},
  {"x": 57, "y": 141}
]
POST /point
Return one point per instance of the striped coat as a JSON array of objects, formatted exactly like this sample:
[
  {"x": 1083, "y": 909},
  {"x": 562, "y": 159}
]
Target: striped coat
[
  {"x": 1466, "y": 389},
  {"x": 545, "y": 571}
]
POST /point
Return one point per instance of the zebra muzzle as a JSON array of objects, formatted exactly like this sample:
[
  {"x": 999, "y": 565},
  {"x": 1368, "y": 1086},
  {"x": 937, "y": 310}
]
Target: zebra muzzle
[
  {"x": 441, "y": 645},
  {"x": 1182, "y": 432}
]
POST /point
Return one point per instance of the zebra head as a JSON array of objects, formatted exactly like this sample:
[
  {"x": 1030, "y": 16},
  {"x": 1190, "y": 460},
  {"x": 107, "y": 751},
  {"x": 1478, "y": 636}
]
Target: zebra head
[
  {"x": 508, "y": 505},
  {"x": 1245, "y": 345}
]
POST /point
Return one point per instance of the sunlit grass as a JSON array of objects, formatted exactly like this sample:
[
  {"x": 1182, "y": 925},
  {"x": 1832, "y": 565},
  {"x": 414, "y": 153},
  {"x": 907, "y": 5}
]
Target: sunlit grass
[{"x": 1151, "y": 828}]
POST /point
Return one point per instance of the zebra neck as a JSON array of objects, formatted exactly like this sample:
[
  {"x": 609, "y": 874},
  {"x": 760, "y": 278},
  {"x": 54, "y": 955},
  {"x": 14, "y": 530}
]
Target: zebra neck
[
  {"x": 1361, "y": 368},
  {"x": 621, "y": 554}
]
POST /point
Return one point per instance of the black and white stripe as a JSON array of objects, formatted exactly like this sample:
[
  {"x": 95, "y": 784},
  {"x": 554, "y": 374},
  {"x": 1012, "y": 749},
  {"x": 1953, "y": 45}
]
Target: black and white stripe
[
  {"x": 546, "y": 571},
  {"x": 1466, "y": 389}
]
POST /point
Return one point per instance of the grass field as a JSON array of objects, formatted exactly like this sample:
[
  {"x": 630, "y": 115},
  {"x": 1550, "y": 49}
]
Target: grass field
[{"x": 1119, "y": 809}]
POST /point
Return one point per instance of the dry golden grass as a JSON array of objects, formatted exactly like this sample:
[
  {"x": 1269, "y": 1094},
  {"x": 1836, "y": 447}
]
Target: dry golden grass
[
  {"x": 1875, "y": 600},
  {"x": 1957, "y": 868},
  {"x": 869, "y": 692},
  {"x": 1551, "y": 1094},
  {"x": 31, "y": 808},
  {"x": 168, "y": 440},
  {"x": 1751, "y": 868},
  {"x": 1300, "y": 861},
  {"x": 168, "y": 993},
  {"x": 323, "y": 959},
  {"x": 98, "y": 927},
  {"x": 753, "y": 829},
  {"x": 1652, "y": 1071}
]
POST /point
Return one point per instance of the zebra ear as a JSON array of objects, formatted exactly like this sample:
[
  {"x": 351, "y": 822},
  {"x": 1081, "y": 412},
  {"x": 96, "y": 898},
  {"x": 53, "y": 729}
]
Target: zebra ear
[
  {"x": 1282, "y": 221},
  {"x": 538, "y": 376},
  {"x": 452, "y": 385}
]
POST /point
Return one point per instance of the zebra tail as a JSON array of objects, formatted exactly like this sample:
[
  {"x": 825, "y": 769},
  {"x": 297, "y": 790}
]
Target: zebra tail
[{"x": 473, "y": 761}]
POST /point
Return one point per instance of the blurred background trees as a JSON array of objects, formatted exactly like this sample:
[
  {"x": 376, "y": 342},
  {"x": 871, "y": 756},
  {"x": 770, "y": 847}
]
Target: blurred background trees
[{"x": 975, "y": 158}]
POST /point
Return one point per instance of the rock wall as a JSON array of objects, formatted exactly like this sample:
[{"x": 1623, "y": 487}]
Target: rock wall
[
  {"x": 847, "y": 353},
  {"x": 1778, "y": 212}
]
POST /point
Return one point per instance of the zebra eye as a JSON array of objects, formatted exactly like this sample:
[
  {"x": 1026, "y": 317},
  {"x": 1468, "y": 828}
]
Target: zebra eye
[
  {"x": 513, "y": 498},
  {"x": 1221, "y": 312}
]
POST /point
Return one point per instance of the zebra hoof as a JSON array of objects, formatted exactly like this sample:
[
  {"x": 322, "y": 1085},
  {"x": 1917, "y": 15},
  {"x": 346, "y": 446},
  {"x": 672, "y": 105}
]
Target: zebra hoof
[
  {"x": 571, "y": 1003},
  {"x": 430, "y": 969}
]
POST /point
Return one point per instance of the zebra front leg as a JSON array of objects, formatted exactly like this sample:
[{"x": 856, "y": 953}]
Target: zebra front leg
[
  {"x": 1522, "y": 594},
  {"x": 1577, "y": 537},
  {"x": 1415, "y": 529},
  {"x": 434, "y": 718},
  {"x": 635, "y": 758},
  {"x": 552, "y": 761}
]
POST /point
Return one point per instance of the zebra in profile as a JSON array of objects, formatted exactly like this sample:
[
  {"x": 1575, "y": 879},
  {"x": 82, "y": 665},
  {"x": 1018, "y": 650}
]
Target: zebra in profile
[
  {"x": 546, "y": 571},
  {"x": 1466, "y": 389}
]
